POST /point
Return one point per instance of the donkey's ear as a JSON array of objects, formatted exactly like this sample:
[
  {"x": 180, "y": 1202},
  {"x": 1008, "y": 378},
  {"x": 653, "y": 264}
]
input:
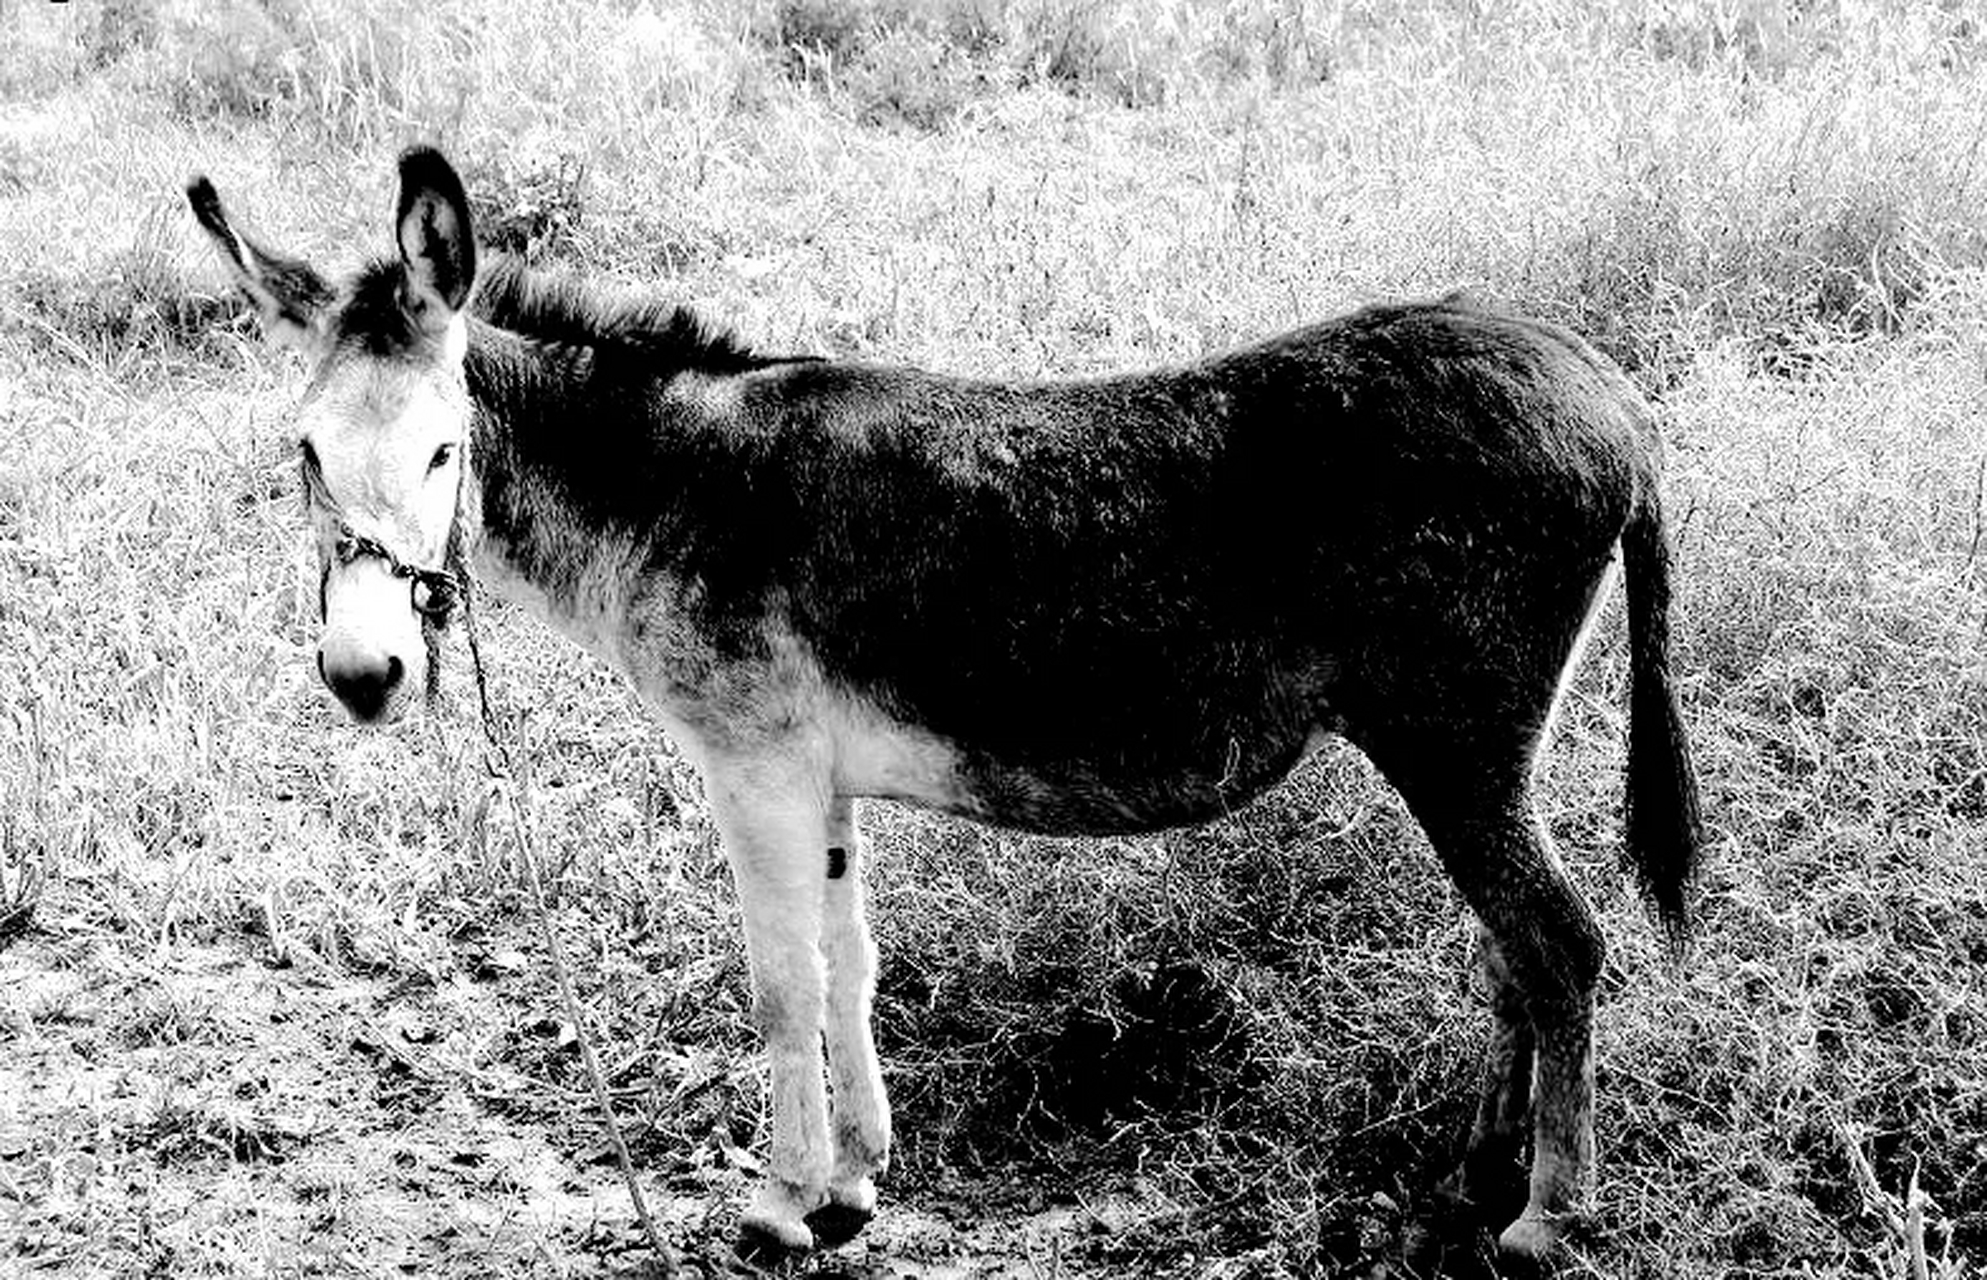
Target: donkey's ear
[
  {"x": 292, "y": 297},
  {"x": 436, "y": 244}
]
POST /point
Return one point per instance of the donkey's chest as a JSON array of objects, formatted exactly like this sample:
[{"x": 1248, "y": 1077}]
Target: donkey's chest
[{"x": 769, "y": 700}]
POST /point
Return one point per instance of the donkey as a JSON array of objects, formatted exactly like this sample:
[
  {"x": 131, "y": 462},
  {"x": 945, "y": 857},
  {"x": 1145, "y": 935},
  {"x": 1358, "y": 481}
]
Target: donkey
[{"x": 1080, "y": 608}]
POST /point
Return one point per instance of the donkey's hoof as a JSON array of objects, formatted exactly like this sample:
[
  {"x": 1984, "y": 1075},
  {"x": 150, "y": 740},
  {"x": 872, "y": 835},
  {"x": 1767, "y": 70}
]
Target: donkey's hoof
[
  {"x": 1432, "y": 1237},
  {"x": 1532, "y": 1238},
  {"x": 1483, "y": 1192},
  {"x": 836, "y": 1223},
  {"x": 767, "y": 1244},
  {"x": 779, "y": 1211},
  {"x": 775, "y": 1225}
]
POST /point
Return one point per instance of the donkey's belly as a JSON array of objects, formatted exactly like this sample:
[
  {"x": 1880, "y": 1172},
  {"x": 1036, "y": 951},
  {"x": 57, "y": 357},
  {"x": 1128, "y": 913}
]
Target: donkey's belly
[
  {"x": 1086, "y": 798},
  {"x": 1124, "y": 754},
  {"x": 1142, "y": 786}
]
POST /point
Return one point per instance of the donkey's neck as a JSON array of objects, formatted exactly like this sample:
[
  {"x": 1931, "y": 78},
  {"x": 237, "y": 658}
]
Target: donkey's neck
[{"x": 561, "y": 447}]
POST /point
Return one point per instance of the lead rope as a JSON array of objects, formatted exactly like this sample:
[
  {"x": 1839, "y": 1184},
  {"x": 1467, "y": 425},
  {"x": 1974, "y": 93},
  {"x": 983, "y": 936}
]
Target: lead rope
[{"x": 504, "y": 770}]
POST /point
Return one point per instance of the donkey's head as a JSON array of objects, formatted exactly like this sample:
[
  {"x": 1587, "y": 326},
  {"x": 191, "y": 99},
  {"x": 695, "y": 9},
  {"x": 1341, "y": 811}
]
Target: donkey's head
[{"x": 383, "y": 428}]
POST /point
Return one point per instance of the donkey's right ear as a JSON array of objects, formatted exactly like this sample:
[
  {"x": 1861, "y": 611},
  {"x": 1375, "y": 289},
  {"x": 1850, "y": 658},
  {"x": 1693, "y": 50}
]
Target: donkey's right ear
[
  {"x": 293, "y": 298},
  {"x": 437, "y": 247}
]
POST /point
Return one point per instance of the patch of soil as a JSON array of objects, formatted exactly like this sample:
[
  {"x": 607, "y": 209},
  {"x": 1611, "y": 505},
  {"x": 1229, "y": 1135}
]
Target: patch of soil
[{"x": 197, "y": 1112}]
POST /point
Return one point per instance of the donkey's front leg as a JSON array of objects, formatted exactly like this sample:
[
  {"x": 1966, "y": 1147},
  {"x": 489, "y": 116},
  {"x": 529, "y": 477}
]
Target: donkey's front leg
[
  {"x": 771, "y": 816},
  {"x": 861, "y": 1109}
]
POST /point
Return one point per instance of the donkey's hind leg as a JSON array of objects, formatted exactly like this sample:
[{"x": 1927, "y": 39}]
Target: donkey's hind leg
[
  {"x": 1543, "y": 953},
  {"x": 1547, "y": 950},
  {"x": 859, "y": 1109},
  {"x": 1504, "y": 1105}
]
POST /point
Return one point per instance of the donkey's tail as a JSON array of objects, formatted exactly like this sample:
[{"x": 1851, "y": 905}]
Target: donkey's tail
[{"x": 1664, "y": 831}]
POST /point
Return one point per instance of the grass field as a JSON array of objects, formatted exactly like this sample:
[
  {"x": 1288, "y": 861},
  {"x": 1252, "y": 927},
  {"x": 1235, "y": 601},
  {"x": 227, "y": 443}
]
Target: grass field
[{"x": 270, "y": 1001}]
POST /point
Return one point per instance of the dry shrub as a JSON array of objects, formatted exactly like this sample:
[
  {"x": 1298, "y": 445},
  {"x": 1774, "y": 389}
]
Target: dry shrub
[
  {"x": 381, "y": 69},
  {"x": 1663, "y": 269},
  {"x": 1145, "y": 54},
  {"x": 44, "y": 49},
  {"x": 130, "y": 309},
  {"x": 135, "y": 312},
  {"x": 1821, "y": 211},
  {"x": 528, "y": 203},
  {"x": 21, "y": 880},
  {"x": 914, "y": 77}
]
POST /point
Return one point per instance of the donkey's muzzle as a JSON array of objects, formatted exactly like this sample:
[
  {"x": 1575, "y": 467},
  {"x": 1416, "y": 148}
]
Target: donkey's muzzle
[{"x": 365, "y": 682}]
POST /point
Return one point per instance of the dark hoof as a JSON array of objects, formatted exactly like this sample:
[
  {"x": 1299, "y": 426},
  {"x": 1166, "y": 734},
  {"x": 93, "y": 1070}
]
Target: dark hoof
[
  {"x": 837, "y": 1224},
  {"x": 756, "y": 1247}
]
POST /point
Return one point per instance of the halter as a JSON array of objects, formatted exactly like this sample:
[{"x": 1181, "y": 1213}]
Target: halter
[{"x": 433, "y": 593}]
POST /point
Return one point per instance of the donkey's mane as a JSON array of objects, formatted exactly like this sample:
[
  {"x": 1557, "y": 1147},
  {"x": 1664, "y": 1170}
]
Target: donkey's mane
[
  {"x": 561, "y": 309},
  {"x": 565, "y": 309}
]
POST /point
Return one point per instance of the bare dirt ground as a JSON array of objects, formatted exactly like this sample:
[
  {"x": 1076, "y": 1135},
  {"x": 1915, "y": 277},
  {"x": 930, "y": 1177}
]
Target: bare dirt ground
[
  {"x": 280, "y": 1117},
  {"x": 223, "y": 1110}
]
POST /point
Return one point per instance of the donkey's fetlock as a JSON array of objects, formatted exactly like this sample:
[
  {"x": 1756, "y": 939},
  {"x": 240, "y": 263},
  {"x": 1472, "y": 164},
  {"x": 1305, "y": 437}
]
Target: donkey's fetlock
[
  {"x": 854, "y": 1194},
  {"x": 1535, "y": 1237}
]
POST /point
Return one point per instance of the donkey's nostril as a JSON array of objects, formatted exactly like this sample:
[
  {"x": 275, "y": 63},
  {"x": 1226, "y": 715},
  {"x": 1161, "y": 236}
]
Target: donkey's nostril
[{"x": 395, "y": 669}]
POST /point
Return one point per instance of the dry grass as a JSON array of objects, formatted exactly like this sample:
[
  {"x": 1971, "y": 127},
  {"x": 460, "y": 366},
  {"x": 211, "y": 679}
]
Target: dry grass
[{"x": 298, "y": 943}]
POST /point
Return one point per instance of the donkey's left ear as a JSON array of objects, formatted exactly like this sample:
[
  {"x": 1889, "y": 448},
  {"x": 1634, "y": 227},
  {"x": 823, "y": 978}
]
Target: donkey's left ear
[
  {"x": 292, "y": 297},
  {"x": 437, "y": 246}
]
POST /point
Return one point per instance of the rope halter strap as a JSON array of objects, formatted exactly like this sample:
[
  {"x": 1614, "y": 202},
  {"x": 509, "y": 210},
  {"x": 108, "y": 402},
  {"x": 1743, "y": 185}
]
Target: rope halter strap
[{"x": 434, "y": 593}]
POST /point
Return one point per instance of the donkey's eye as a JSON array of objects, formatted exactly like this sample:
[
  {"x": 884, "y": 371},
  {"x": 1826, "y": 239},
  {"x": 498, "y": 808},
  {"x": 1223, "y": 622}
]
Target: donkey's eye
[{"x": 442, "y": 457}]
